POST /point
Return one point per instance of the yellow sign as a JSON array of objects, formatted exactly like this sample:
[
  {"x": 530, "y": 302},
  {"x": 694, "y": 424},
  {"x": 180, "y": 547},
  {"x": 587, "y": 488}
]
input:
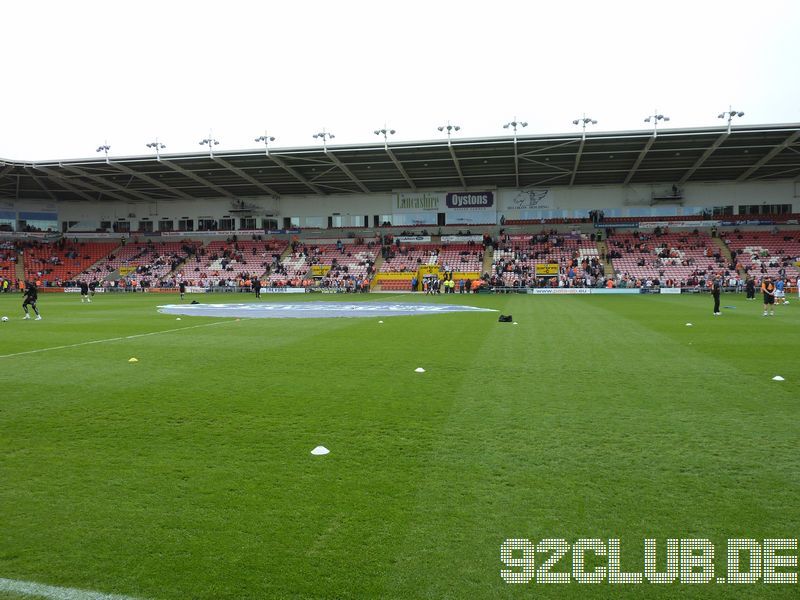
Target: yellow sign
[
  {"x": 320, "y": 270},
  {"x": 394, "y": 276},
  {"x": 428, "y": 270},
  {"x": 548, "y": 269},
  {"x": 125, "y": 271}
]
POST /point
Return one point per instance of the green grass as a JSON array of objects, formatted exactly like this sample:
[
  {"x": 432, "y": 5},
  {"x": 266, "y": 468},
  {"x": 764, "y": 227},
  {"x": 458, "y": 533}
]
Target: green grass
[{"x": 188, "y": 474}]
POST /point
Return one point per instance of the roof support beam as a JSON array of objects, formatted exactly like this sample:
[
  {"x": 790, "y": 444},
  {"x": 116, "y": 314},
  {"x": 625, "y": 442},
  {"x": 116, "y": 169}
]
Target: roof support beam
[
  {"x": 110, "y": 184},
  {"x": 546, "y": 148},
  {"x": 792, "y": 170},
  {"x": 547, "y": 180},
  {"x": 400, "y": 168},
  {"x": 639, "y": 159},
  {"x": 197, "y": 178},
  {"x": 544, "y": 164},
  {"x": 247, "y": 177},
  {"x": 457, "y": 164},
  {"x": 152, "y": 181},
  {"x": 709, "y": 151},
  {"x": 347, "y": 171},
  {"x": 67, "y": 183},
  {"x": 769, "y": 156},
  {"x": 577, "y": 161},
  {"x": 296, "y": 175},
  {"x": 5, "y": 170},
  {"x": 43, "y": 187},
  {"x": 516, "y": 157}
]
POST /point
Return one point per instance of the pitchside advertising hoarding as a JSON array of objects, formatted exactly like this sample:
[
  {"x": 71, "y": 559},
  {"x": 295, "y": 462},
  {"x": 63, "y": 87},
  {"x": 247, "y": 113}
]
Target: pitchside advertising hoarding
[{"x": 460, "y": 208}]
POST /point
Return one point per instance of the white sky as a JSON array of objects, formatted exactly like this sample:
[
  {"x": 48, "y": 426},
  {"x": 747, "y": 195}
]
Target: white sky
[{"x": 79, "y": 73}]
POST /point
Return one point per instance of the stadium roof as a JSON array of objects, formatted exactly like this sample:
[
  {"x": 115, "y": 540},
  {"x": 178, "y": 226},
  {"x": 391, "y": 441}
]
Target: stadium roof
[{"x": 674, "y": 156}]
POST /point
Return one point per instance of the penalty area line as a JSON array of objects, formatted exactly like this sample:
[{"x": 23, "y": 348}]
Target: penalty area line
[
  {"x": 114, "y": 339},
  {"x": 51, "y": 592}
]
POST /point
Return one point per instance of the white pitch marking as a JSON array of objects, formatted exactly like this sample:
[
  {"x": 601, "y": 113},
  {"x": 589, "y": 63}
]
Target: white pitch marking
[
  {"x": 51, "y": 592},
  {"x": 115, "y": 339}
]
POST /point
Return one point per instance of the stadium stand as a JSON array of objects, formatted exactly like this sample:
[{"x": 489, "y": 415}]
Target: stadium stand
[
  {"x": 151, "y": 261},
  {"x": 762, "y": 253},
  {"x": 669, "y": 258},
  {"x": 64, "y": 260},
  {"x": 232, "y": 260},
  {"x": 515, "y": 258}
]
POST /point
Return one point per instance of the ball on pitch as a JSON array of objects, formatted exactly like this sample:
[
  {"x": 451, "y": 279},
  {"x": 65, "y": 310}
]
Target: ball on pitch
[{"x": 4, "y": 319}]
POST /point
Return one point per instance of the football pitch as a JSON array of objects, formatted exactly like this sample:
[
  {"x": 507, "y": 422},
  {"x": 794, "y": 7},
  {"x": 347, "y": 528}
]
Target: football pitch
[{"x": 188, "y": 474}]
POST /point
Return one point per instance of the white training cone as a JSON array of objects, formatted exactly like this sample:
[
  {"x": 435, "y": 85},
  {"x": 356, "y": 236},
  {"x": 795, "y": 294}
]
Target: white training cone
[
  {"x": 688, "y": 324},
  {"x": 133, "y": 360},
  {"x": 320, "y": 451},
  {"x": 178, "y": 319},
  {"x": 778, "y": 378},
  {"x": 515, "y": 323},
  {"x": 380, "y": 321},
  {"x": 419, "y": 370}
]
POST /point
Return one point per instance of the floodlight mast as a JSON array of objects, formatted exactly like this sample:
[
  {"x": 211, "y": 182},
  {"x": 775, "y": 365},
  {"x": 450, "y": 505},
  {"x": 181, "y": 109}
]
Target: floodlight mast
[
  {"x": 513, "y": 125},
  {"x": 104, "y": 148},
  {"x": 729, "y": 115},
  {"x": 157, "y": 146},
  {"x": 265, "y": 139},
  {"x": 385, "y": 133},
  {"x": 324, "y": 135},
  {"x": 654, "y": 119},
  {"x": 583, "y": 122},
  {"x": 449, "y": 129},
  {"x": 210, "y": 142}
]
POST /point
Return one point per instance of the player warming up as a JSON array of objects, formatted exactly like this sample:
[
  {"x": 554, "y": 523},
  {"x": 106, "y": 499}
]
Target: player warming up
[
  {"x": 768, "y": 289},
  {"x": 85, "y": 292},
  {"x": 31, "y": 295}
]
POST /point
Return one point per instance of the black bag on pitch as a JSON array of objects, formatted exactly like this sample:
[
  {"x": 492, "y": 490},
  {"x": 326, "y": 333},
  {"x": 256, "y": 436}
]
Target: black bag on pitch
[{"x": 505, "y": 319}]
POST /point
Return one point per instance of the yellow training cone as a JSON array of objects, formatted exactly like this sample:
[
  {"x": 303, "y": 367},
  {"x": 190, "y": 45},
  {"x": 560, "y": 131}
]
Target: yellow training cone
[{"x": 133, "y": 360}]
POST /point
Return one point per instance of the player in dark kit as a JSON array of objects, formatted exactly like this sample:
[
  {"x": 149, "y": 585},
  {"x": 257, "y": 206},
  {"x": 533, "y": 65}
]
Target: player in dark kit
[
  {"x": 716, "y": 288},
  {"x": 85, "y": 292},
  {"x": 31, "y": 295},
  {"x": 768, "y": 289},
  {"x": 257, "y": 286},
  {"x": 92, "y": 287},
  {"x": 182, "y": 288}
]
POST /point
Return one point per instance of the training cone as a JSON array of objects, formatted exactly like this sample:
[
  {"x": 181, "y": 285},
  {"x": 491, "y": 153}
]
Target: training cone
[
  {"x": 133, "y": 360},
  {"x": 688, "y": 324},
  {"x": 178, "y": 319},
  {"x": 380, "y": 322},
  {"x": 320, "y": 451},
  {"x": 419, "y": 370},
  {"x": 778, "y": 378},
  {"x": 515, "y": 323}
]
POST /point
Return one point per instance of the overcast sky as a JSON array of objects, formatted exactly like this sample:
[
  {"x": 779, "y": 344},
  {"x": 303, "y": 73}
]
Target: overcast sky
[{"x": 79, "y": 73}]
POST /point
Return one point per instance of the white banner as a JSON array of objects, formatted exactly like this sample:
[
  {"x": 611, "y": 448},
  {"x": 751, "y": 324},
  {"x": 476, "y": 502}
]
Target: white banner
[
  {"x": 411, "y": 239},
  {"x": 245, "y": 232},
  {"x": 678, "y": 224},
  {"x": 462, "y": 238},
  {"x": 670, "y": 290},
  {"x": 527, "y": 199},
  {"x": 413, "y": 202},
  {"x": 88, "y": 235},
  {"x": 561, "y": 291},
  {"x": 283, "y": 290}
]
